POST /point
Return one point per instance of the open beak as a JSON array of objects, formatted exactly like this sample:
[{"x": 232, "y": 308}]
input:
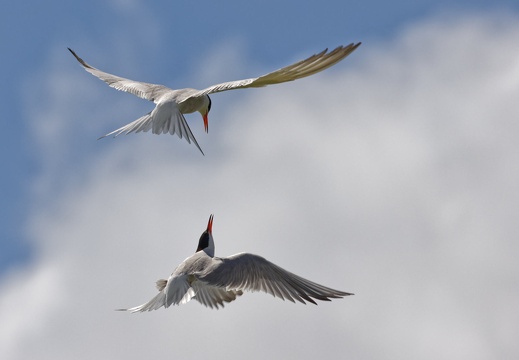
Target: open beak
[
  {"x": 206, "y": 122},
  {"x": 210, "y": 225}
]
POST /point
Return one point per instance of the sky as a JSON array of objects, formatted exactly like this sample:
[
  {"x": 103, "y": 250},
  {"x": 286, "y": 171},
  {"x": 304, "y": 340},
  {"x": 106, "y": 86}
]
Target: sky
[{"x": 392, "y": 175}]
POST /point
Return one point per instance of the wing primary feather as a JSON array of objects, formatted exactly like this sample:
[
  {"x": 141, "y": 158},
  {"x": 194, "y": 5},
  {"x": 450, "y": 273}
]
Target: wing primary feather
[
  {"x": 298, "y": 70},
  {"x": 254, "y": 273}
]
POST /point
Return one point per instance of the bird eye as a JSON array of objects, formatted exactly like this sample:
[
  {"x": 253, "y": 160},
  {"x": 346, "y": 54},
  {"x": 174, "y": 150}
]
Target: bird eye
[{"x": 209, "y": 106}]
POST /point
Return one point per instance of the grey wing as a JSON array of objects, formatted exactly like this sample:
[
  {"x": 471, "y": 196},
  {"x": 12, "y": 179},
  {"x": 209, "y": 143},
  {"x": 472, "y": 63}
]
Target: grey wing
[
  {"x": 212, "y": 296},
  {"x": 141, "y": 89},
  {"x": 252, "y": 272},
  {"x": 300, "y": 69}
]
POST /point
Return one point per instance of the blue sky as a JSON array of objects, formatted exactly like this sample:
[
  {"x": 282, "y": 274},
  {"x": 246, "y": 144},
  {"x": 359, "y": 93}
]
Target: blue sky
[
  {"x": 178, "y": 37},
  {"x": 391, "y": 175}
]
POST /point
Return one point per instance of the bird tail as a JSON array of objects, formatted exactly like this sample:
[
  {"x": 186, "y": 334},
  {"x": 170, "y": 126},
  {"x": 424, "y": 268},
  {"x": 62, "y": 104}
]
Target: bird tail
[
  {"x": 156, "y": 303},
  {"x": 143, "y": 123}
]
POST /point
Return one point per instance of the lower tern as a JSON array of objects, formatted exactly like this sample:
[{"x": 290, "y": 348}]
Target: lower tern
[
  {"x": 212, "y": 281},
  {"x": 171, "y": 105}
]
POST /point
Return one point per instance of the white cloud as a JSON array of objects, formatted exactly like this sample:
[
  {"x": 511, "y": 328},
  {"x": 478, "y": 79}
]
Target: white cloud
[{"x": 392, "y": 175}]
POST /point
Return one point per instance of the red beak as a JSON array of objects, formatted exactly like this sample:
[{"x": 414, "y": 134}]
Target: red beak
[
  {"x": 210, "y": 225},
  {"x": 206, "y": 122}
]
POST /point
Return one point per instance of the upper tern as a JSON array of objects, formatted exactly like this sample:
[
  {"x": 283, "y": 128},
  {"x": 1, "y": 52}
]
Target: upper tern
[
  {"x": 171, "y": 105},
  {"x": 212, "y": 280}
]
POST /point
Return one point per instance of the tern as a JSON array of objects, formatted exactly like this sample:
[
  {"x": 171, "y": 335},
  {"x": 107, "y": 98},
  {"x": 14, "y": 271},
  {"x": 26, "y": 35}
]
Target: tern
[
  {"x": 171, "y": 105},
  {"x": 213, "y": 280}
]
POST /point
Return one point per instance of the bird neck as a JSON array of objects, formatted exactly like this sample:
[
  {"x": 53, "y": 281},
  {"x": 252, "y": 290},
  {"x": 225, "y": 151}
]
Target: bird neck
[
  {"x": 206, "y": 244},
  {"x": 209, "y": 251}
]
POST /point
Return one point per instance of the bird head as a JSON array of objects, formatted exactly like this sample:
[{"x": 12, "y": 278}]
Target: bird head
[
  {"x": 204, "y": 110},
  {"x": 206, "y": 242}
]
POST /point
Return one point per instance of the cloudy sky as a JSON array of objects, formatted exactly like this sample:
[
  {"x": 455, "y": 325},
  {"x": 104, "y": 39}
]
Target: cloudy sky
[{"x": 392, "y": 175}]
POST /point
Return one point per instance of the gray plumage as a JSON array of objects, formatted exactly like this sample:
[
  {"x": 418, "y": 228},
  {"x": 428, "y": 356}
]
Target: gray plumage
[
  {"x": 171, "y": 105},
  {"x": 213, "y": 281}
]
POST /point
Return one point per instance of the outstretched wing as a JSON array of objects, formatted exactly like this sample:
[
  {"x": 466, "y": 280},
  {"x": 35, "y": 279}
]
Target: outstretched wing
[
  {"x": 141, "y": 89},
  {"x": 252, "y": 272},
  {"x": 300, "y": 69}
]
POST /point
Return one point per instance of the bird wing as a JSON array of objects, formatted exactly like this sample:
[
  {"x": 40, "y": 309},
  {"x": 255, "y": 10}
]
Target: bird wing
[
  {"x": 252, "y": 272},
  {"x": 141, "y": 89},
  {"x": 300, "y": 69},
  {"x": 212, "y": 296},
  {"x": 178, "y": 290},
  {"x": 165, "y": 118}
]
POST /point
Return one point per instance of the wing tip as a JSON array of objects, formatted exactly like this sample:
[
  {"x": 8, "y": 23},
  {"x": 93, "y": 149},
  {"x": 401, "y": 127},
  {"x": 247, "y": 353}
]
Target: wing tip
[
  {"x": 81, "y": 61},
  {"x": 114, "y": 133}
]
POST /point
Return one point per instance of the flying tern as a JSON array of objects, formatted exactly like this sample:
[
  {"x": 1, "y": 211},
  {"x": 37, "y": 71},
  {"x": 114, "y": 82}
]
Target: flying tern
[
  {"x": 171, "y": 105},
  {"x": 213, "y": 280}
]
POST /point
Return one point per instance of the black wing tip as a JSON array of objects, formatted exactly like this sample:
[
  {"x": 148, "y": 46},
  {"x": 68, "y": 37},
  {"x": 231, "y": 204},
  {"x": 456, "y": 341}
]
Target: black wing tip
[
  {"x": 81, "y": 61},
  {"x": 105, "y": 136},
  {"x": 351, "y": 47},
  {"x": 328, "y": 297},
  {"x": 313, "y": 302},
  {"x": 339, "y": 295},
  {"x": 74, "y": 53}
]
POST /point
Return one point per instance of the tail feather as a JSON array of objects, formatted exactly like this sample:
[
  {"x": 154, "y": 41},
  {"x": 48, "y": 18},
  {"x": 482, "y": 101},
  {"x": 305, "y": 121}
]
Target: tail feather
[
  {"x": 161, "y": 284},
  {"x": 143, "y": 123},
  {"x": 156, "y": 303}
]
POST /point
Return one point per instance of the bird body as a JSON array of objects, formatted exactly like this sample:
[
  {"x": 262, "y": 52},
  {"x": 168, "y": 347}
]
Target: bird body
[
  {"x": 212, "y": 281},
  {"x": 171, "y": 105}
]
